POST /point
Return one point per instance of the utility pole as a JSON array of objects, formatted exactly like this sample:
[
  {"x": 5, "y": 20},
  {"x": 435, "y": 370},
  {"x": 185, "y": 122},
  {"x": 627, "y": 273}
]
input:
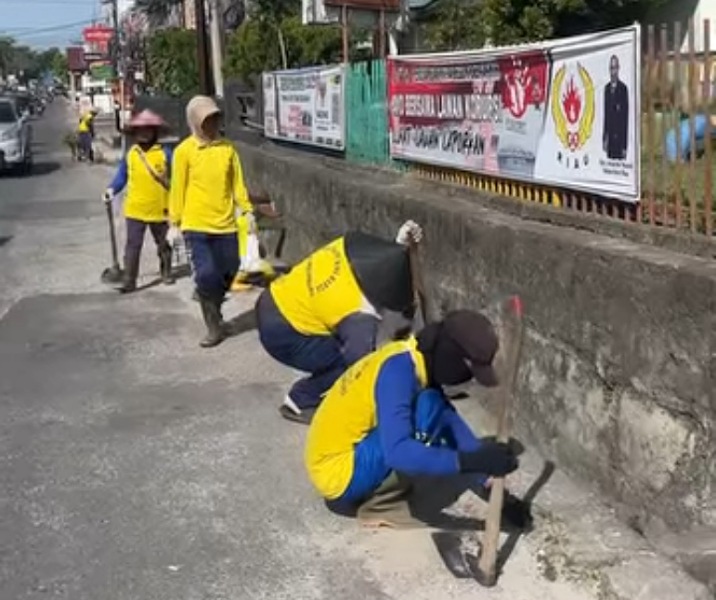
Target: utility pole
[
  {"x": 217, "y": 50},
  {"x": 202, "y": 49}
]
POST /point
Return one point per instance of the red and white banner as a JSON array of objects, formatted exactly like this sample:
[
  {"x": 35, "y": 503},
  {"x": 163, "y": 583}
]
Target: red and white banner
[{"x": 563, "y": 112}]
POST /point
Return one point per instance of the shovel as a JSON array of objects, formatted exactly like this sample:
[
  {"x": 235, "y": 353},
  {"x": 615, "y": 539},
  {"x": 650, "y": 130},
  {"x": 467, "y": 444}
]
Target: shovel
[
  {"x": 459, "y": 561},
  {"x": 114, "y": 273}
]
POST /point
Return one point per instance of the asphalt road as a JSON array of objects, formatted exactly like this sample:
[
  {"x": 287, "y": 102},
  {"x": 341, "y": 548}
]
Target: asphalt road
[{"x": 135, "y": 465}]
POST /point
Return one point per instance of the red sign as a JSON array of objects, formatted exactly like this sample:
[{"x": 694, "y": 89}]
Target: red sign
[{"x": 98, "y": 34}]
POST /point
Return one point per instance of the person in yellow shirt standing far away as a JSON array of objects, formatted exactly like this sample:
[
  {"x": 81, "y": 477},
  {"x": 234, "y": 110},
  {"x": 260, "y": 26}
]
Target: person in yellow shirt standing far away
[
  {"x": 324, "y": 314},
  {"x": 144, "y": 171},
  {"x": 387, "y": 417},
  {"x": 85, "y": 135},
  {"x": 207, "y": 193}
]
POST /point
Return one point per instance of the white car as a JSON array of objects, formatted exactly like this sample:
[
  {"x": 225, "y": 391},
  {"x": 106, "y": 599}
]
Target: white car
[{"x": 15, "y": 138}]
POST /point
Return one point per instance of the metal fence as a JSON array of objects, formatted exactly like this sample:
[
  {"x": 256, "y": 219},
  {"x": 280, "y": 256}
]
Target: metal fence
[
  {"x": 366, "y": 113},
  {"x": 679, "y": 94}
]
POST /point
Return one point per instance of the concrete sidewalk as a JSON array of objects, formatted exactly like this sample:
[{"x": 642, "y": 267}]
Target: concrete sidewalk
[{"x": 136, "y": 465}]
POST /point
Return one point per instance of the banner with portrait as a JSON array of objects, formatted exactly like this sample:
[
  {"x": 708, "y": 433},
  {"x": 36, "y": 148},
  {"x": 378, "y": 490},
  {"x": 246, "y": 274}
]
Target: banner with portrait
[
  {"x": 306, "y": 106},
  {"x": 562, "y": 113}
]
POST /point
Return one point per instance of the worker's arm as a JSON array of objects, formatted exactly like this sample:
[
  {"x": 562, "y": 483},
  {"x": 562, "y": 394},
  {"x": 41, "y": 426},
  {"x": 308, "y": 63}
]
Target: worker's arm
[
  {"x": 395, "y": 390},
  {"x": 177, "y": 190},
  {"x": 120, "y": 177},
  {"x": 357, "y": 334},
  {"x": 168, "y": 155},
  {"x": 241, "y": 194},
  {"x": 465, "y": 439}
]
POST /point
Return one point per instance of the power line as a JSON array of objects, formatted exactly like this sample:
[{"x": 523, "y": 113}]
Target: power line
[
  {"x": 31, "y": 32},
  {"x": 89, "y": 4}
]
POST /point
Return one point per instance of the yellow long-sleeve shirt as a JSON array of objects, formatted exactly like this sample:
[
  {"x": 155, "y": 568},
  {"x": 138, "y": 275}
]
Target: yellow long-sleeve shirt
[{"x": 207, "y": 187}]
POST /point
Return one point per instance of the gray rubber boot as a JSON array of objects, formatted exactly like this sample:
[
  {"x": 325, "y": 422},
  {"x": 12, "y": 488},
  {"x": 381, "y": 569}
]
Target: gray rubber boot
[
  {"x": 165, "y": 265},
  {"x": 211, "y": 311},
  {"x": 131, "y": 272}
]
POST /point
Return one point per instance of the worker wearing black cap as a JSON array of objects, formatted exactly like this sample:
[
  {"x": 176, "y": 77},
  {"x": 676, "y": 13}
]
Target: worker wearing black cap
[
  {"x": 323, "y": 316},
  {"x": 387, "y": 414}
]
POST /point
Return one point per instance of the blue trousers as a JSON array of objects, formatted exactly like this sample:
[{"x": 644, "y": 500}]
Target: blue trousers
[
  {"x": 215, "y": 261},
  {"x": 325, "y": 357},
  {"x": 369, "y": 468}
]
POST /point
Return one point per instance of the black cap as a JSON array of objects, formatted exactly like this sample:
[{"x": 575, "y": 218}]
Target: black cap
[
  {"x": 475, "y": 335},
  {"x": 460, "y": 347}
]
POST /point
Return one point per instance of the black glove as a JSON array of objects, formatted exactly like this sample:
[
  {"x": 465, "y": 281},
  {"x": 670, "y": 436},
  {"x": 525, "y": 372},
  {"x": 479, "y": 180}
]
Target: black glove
[{"x": 492, "y": 458}]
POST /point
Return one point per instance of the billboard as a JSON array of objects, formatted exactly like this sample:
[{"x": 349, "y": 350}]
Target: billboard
[
  {"x": 563, "y": 112},
  {"x": 97, "y": 34},
  {"x": 306, "y": 106},
  {"x": 76, "y": 59}
]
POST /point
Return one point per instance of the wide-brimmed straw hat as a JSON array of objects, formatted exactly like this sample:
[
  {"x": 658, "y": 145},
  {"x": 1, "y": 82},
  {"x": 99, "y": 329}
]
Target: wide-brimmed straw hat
[{"x": 146, "y": 118}]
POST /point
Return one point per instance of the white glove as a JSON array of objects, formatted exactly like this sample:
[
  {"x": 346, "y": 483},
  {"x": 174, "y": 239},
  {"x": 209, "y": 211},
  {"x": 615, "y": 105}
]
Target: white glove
[
  {"x": 174, "y": 236},
  {"x": 251, "y": 222},
  {"x": 108, "y": 196},
  {"x": 409, "y": 231}
]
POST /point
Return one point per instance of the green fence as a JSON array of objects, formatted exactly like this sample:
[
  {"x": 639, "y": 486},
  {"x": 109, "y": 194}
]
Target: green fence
[{"x": 366, "y": 113}]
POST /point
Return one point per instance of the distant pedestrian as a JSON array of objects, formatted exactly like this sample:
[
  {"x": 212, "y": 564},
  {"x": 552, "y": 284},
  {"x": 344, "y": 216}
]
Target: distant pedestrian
[
  {"x": 85, "y": 135},
  {"x": 145, "y": 172},
  {"x": 207, "y": 193}
]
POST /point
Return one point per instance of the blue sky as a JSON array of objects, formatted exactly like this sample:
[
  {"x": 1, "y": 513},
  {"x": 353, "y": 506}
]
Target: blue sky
[{"x": 45, "y": 23}]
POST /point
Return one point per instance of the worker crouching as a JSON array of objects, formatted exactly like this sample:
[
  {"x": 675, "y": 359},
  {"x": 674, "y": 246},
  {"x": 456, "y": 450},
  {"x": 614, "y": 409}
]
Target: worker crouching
[
  {"x": 207, "y": 193},
  {"x": 145, "y": 172},
  {"x": 324, "y": 314},
  {"x": 387, "y": 417}
]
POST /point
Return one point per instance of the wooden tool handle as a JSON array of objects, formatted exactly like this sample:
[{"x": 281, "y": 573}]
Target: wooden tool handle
[{"x": 511, "y": 351}]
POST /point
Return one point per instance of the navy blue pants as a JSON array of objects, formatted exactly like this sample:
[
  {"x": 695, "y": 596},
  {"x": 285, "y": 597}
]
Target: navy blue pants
[
  {"x": 325, "y": 357},
  {"x": 215, "y": 261},
  {"x": 84, "y": 144},
  {"x": 135, "y": 238}
]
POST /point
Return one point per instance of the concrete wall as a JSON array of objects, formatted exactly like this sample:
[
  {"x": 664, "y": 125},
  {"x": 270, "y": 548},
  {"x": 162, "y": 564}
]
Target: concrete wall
[{"x": 618, "y": 376}]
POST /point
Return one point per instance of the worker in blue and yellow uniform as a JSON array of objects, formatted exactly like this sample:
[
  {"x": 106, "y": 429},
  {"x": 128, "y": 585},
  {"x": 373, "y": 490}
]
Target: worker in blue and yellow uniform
[
  {"x": 324, "y": 314},
  {"x": 388, "y": 417},
  {"x": 207, "y": 194},
  {"x": 85, "y": 135},
  {"x": 144, "y": 171}
]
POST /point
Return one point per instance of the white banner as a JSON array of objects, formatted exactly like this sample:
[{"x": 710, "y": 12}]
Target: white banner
[
  {"x": 270, "y": 121},
  {"x": 563, "y": 112},
  {"x": 308, "y": 106}
]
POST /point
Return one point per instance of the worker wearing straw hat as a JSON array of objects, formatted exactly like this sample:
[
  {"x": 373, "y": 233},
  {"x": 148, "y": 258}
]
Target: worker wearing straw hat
[{"x": 144, "y": 171}]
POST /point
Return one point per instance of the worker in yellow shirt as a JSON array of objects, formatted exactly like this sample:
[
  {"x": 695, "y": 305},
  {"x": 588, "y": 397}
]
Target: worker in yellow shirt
[
  {"x": 387, "y": 417},
  {"x": 144, "y": 171},
  {"x": 207, "y": 193},
  {"x": 324, "y": 314},
  {"x": 85, "y": 135}
]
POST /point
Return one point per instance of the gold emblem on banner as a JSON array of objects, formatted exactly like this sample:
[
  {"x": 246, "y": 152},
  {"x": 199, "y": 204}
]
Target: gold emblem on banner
[{"x": 573, "y": 108}]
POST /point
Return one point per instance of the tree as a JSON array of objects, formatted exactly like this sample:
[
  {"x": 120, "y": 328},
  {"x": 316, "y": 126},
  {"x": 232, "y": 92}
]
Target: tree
[
  {"x": 274, "y": 38},
  {"x": 455, "y": 25},
  {"x": 158, "y": 12},
  {"x": 464, "y": 24},
  {"x": 6, "y": 50},
  {"x": 172, "y": 62}
]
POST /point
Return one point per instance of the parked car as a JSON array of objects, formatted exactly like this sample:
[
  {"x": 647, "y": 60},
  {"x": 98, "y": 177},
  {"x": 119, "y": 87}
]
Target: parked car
[{"x": 15, "y": 138}]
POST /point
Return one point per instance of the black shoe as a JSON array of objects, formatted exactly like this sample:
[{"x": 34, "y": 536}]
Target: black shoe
[
  {"x": 211, "y": 311},
  {"x": 128, "y": 286},
  {"x": 304, "y": 417}
]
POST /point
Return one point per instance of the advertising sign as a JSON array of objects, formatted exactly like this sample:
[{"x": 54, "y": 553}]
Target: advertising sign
[
  {"x": 564, "y": 112},
  {"x": 97, "y": 34},
  {"x": 308, "y": 106}
]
